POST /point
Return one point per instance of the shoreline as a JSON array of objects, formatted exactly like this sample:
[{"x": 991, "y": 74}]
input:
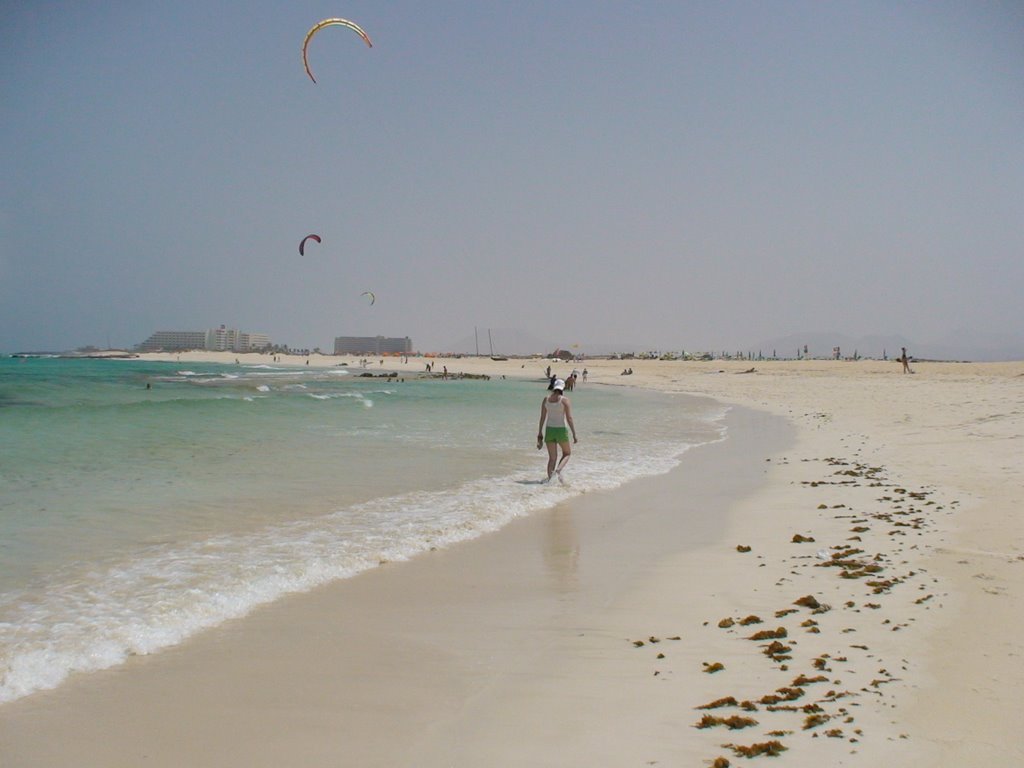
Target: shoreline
[
  {"x": 421, "y": 639},
  {"x": 931, "y": 662}
]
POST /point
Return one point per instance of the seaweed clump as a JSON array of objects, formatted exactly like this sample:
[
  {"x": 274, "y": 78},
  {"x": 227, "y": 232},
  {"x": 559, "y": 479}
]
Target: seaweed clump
[
  {"x": 777, "y": 651},
  {"x": 812, "y": 721},
  {"x": 771, "y": 748},
  {"x": 728, "y": 701},
  {"x": 769, "y": 634},
  {"x": 733, "y": 723}
]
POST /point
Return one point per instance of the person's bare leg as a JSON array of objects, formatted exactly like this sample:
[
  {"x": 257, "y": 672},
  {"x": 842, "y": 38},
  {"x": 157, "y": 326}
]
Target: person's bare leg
[
  {"x": 566, "y": 453},
  {"x": 552, "y": 458}
]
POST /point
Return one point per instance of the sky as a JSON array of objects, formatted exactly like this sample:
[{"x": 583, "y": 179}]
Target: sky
[{"x": 669, "y": 175}]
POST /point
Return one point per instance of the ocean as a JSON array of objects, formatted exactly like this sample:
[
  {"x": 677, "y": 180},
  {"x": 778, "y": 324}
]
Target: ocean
[{"x": 143, "y": 502}]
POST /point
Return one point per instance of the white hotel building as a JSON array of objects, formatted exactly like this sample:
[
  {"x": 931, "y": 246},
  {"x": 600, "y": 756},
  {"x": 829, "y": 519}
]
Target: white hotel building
[
  {"x": 372, "y": 345},
  {"x": 220, "y": 339}
]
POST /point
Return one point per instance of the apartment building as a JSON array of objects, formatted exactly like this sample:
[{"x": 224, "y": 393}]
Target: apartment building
[
  {"x": 221, "y": 339},
  {"x": 372, "y": 345}
]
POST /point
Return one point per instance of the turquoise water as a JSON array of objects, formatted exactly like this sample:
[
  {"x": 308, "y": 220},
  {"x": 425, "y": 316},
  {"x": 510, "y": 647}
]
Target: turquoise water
[{"x": 142, "y": 502}]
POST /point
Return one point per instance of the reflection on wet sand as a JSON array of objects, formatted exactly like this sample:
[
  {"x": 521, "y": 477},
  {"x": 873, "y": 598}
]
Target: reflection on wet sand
[{"x": 561, "y": 549}]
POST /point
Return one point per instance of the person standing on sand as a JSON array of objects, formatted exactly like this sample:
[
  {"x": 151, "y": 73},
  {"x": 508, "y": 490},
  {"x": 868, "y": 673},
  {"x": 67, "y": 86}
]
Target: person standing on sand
[
  {"x": 905, "y": 360},
  {"x": 557, "y": 412}
]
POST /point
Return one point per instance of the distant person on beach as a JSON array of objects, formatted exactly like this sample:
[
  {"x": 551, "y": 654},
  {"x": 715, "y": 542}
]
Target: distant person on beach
[
  {"x": 556, "y": 411},
  {"x": 905, "y": 360}
]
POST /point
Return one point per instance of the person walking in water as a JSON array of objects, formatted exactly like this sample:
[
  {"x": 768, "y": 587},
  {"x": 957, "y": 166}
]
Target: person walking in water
[{"x": 557, "y": 412}]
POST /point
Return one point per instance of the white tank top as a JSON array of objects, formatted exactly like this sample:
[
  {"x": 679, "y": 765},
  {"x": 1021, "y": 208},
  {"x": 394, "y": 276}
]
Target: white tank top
[{"x": 556, "y": 413}]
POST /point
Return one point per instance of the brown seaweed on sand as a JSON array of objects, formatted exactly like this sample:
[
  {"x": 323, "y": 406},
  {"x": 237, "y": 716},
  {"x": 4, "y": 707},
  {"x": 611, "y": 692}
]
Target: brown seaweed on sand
[
  {"x": 804, "y": 680},
  {"x": 733, "y": 722},
  {"x": 769, "y": 634},
  {"x": 813, "y": 721},
  {"x": 782, "y": 694},
  {"x": 712, "y": 668},
  {"x": 728, "y": 701},
  {"x": 772, "y": 748},
  {"x": 777, "y": 651}
]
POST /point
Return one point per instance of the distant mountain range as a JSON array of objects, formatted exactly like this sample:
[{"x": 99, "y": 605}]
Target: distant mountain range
[
  {"x": 512, "y": 341},
  {"x": 959, "y": 345}
]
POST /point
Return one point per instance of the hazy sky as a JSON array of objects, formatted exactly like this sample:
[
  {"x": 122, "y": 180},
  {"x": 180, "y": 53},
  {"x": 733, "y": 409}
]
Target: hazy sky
[{"x": 671, "y": 174}]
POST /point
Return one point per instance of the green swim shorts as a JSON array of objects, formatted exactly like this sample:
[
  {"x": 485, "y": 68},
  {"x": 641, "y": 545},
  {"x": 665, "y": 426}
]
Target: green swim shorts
[{"x": 556, "y": 435}]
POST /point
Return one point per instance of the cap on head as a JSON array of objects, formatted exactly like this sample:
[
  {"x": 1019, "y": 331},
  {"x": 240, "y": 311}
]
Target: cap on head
[{"x": 559, "y": 385}]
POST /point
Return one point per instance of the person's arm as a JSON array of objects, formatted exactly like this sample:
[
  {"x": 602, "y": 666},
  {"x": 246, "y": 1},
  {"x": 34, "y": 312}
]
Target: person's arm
[
  {"x": 568, "y": 418},
  {"x": 540, "y": 425}
]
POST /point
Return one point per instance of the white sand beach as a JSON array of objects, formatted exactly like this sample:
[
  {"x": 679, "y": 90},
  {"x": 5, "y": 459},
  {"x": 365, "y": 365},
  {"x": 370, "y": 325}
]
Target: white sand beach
[{"x": 866, "y": 522}]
